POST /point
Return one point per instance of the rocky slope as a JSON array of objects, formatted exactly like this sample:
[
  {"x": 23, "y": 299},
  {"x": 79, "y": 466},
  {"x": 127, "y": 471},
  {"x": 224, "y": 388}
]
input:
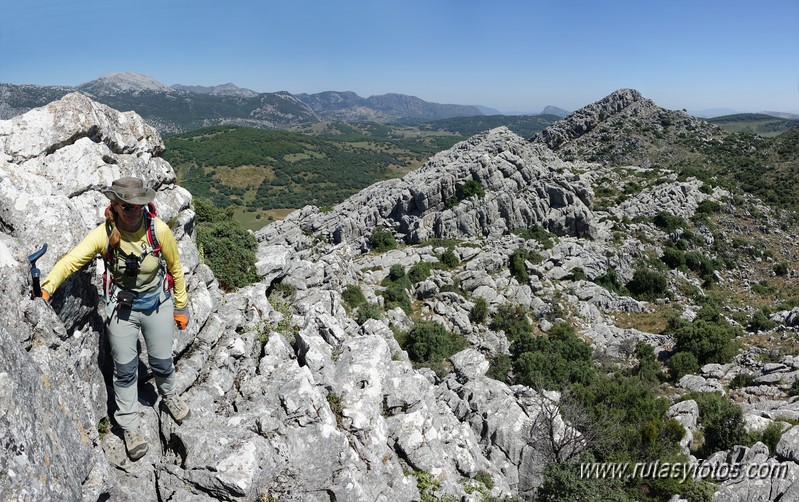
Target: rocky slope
[
  {"x": 340, "y": 413},
  {"x": 624, "y": 128},
  {"x": 292, "y": 397}
]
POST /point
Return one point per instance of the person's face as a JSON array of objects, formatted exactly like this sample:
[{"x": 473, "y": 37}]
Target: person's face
[{"x": 129, "y": 213}]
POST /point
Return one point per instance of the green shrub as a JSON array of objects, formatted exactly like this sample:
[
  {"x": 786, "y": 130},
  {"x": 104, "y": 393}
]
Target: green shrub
[
  {"x": 206, "y": 212},
  {"x": 700, "y": 264},
  {"x": 367, "y": 311},
  {"x": 722, "y": 422},
  {"x": 419, "y": 272},
  {"x": 537, "y": 233},
  {"x": 669, "y": 222},
  {"x": 566, "y": 482},
  {"x": 485, "y": 478},
  {"x": 648, "y": 285},
  {"x": 578, "y": 274},
  {"x": 552, "y": 361},
  {"x": 780, "y": 269},
  {"x": 479, "y": 311},
  {"x": 648, "y": 368},
  {"x": 517, "y": 265},
  {"x": 353, "y": 296},
  {"x": 229, "y": 250},
  {"x": 742, "y": 380},
  {"x": 396, "y": 273},
  {"x": 681, "y": 364},
  {"x": 708, "y": 206},
  {"x": 761, "y": 322},
  {"x": 500, "y": 367},
  {"x": 673, "y": 257},
  {"x": 710, "y": 340},
  {"x": 771, "y": 435},
  {"x": 610, "y": 281},
  {"x": 470, "y": 188},
  {"x": 429, "y": 341},
  {"x": 395, "y": 295},
  {"x": 383, "y": 240},
  {"x": 449, "y": 259},
  {"x": 512, "y": 319}
]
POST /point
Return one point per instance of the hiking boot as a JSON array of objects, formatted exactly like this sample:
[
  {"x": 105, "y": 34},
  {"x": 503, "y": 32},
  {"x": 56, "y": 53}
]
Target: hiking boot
[
  {"x": 176, "y": 407},
  {"x": 135, "y": 444}
]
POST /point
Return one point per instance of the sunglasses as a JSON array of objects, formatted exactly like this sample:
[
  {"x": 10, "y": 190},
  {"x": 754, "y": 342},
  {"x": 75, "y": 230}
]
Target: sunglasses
[{"x": 129, "y": 207}]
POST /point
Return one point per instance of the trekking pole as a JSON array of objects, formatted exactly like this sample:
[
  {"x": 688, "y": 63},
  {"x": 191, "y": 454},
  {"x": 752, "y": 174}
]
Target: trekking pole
[{"x": 35, "y": 274}]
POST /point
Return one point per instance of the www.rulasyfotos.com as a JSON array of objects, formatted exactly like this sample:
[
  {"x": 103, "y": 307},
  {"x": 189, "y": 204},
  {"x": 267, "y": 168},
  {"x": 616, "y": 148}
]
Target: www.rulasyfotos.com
[{"x": 682, "y": 471}]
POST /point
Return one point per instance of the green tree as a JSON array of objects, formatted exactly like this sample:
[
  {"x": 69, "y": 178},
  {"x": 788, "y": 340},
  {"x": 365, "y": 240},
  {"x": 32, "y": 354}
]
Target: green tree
[
  {"x": 648, "y": 285},
  {"x": 681, "y": 364}
]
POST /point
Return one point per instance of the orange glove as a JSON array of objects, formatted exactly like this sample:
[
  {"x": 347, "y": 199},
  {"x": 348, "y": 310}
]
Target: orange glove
[
  {"x": 182, "y": 318},
  {"x": 45, "y": 295}
]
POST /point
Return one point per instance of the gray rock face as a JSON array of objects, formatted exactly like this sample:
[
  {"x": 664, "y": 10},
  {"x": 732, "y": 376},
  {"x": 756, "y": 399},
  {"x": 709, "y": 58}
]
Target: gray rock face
[
  {"x": 522, "y": 187},
  {"x": 587, "y": 118}
]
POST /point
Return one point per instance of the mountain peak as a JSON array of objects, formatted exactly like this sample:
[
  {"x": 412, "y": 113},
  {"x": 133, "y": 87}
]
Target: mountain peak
[
  {"x": 554, "y": 110},
  {"x": 592, "y": 132},
  {"x": 122, "y": 82}
]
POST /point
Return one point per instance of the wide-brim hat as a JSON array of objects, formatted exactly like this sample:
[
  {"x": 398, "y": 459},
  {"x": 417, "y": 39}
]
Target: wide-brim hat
[{"x": 130, "y": 190}]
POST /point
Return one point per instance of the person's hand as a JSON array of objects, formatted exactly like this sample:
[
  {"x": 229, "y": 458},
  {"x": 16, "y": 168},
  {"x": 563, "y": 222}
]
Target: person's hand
[
  {"x": 182, "y": 318},
  {"x": 44, "y": 295}
]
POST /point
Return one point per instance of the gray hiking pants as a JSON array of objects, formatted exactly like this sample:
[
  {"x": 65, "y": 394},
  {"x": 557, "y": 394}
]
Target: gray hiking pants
[{"x": 123, "y": 325}]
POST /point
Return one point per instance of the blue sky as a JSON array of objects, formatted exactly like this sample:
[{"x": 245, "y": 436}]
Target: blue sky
[{"x": 511, "y": 55}]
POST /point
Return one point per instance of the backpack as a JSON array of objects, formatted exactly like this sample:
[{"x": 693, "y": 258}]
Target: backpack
[{"x": 109, "y": 256}]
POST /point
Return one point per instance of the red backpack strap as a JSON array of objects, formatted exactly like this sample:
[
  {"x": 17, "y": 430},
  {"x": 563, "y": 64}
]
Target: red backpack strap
[{"x": 149, "y": 221}]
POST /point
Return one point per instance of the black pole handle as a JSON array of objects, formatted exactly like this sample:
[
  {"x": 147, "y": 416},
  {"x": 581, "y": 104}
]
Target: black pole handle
[{"x": 35, "y": 273}]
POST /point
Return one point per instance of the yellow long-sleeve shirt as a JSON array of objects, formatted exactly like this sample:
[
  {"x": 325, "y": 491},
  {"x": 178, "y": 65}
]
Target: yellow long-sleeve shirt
[{"x": 131, "y": 243}]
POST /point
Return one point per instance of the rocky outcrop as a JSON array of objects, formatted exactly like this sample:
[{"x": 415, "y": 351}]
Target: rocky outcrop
[
  {"x": 624, "y": 128},
  {"x": 522, "y": 183},
  {"x": 327, "y": 409},
  {"x": 588, "y": 118}
]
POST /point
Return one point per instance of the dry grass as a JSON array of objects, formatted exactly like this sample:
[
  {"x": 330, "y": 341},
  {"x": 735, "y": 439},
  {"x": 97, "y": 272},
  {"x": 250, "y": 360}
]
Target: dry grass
[{"x": 655, "y": 320}]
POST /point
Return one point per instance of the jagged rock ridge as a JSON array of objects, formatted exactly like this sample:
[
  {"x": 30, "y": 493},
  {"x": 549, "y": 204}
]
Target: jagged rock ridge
[
  {"x": 624, "y": 128},
  {"x": 522, "y": 183}
]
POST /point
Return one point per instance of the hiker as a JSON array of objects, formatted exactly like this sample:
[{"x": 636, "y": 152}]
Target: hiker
[{"x": 141, "y": 264}]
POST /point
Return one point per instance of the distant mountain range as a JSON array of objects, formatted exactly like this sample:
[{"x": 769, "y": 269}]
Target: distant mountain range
[{"x": 180, "y": 108}]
